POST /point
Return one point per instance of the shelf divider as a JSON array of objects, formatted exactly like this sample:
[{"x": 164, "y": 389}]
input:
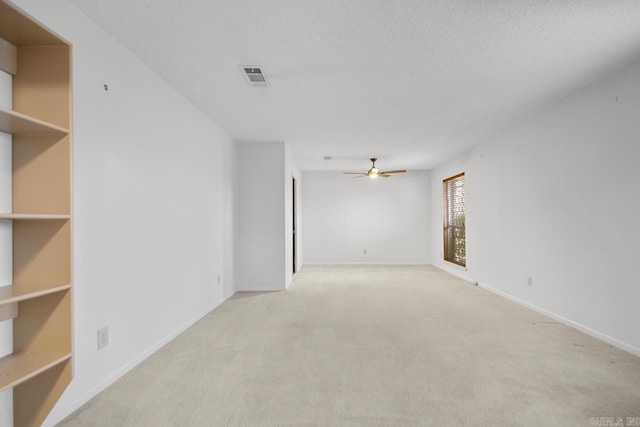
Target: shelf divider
[
  {"x": 22, "y": 124},
  {"x": 25, "y": 216},
  {"x": 17, "y": 368},
  {"x": 12, "y": 294}
]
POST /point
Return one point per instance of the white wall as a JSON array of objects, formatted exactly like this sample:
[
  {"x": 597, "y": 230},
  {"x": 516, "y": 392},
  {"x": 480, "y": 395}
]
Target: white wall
[
  {"x": 229, "y": 168},
  {"x": 555, "y": 199},
  {"x": 344, "y": 216},
  {"x": 149, "y": 206},
  {"x": 260, "y": 217}
]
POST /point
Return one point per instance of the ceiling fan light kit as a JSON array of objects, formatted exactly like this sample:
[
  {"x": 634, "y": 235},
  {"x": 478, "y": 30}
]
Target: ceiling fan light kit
[{"x": 374, "y": 172}]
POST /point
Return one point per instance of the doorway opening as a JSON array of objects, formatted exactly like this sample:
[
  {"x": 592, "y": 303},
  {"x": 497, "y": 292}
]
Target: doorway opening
[{"x": 293, "y": 231}]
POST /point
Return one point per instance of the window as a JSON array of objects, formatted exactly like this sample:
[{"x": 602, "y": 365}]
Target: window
[{"x": 454, "y": 233}]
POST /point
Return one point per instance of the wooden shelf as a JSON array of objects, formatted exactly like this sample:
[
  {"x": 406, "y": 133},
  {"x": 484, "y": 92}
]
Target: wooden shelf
[
  {"x": 23, "y": 216},
  {"x": 11, "y": 294},
  {"x": 19, "y": 29},
  {"x": 22, "y": 124},
  {"x": 19, "y": 367}
]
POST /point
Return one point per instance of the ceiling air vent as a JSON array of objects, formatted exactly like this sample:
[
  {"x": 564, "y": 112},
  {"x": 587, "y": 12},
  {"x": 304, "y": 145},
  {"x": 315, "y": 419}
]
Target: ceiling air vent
[{"x": 254, "y": 76}]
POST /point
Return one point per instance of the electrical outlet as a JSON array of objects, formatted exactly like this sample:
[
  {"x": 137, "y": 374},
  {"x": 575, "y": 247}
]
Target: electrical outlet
[
  {"x": 529, "y": 281},
  {"x": 365, "y": 251},
  {"x": 103, "y": 337}
]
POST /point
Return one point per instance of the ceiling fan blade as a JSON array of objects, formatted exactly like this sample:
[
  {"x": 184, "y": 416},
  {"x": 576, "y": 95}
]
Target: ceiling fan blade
[
  {"x": 395, "y": 171},
  {"x": 374, "y": 172}
]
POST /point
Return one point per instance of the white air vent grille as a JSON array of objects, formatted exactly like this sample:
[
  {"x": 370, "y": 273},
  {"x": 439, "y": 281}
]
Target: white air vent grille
[{"x": 254, "y": 76}]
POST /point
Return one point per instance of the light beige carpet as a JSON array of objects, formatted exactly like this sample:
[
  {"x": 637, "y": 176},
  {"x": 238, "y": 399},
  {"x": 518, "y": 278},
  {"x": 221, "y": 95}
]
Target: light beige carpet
[{"x": 373, "y": 346}]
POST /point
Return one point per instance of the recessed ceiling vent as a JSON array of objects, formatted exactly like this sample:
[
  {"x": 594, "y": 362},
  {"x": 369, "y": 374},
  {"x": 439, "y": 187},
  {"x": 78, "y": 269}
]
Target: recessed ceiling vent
[{"x": 254, "y": 76}]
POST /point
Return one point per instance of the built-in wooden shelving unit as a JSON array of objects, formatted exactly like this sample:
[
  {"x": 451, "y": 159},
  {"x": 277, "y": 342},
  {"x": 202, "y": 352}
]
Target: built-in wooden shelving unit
[{"x": 39, "y": 298}]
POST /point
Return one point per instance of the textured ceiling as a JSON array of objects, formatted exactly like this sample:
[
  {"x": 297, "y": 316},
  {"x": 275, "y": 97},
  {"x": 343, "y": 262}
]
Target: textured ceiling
[{"x": 411, "y": 82}]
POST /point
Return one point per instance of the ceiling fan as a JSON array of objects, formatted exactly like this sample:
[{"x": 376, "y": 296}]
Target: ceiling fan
[{"x": 374, "y": 172}]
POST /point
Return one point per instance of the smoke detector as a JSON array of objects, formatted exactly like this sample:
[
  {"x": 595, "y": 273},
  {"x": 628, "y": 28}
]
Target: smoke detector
[{"x": 254, "y": 76}]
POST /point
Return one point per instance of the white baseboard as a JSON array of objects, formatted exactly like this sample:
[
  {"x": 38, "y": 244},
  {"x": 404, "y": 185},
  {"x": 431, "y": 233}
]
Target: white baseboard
[
  {"x": 365, "y": 263},
  {"x": 254, "y": 289},
  {"x": 57, "y": 415},
  {"x": 602, "y": 337}
]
